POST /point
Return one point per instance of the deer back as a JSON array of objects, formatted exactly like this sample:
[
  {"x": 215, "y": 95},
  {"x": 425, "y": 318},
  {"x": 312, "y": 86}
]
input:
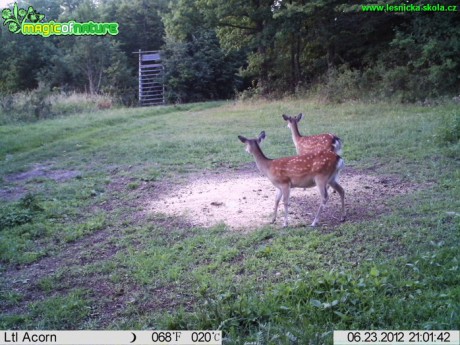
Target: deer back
[{"x": 304, "y": 170}]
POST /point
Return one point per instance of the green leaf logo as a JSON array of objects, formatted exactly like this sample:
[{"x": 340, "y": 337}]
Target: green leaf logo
[
  {"x": 14, "y": 19},
  {"x": 6, "y": 13},
  {"x": 34, "y": 16}
]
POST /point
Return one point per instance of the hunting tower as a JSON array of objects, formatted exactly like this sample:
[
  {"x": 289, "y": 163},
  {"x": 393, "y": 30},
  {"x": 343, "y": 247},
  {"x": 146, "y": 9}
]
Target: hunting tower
[{"x": 151, "y": 71}]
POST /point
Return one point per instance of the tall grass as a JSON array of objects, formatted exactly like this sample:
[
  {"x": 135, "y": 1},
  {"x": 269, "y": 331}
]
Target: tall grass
[{"x": 39, "y": 104}]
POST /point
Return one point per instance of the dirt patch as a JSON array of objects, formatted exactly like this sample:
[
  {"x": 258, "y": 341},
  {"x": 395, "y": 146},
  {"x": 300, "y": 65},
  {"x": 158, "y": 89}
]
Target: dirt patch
[
  {"x": 16, "y": 190},
  {"x": 43, "y": 171},
  {"x": 244, "y": 200},
  {"x": 12, "y": 193}
]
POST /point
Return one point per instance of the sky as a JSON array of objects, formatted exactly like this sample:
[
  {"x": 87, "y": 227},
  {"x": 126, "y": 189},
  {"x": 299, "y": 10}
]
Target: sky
[{"x": 3, "y": 3}]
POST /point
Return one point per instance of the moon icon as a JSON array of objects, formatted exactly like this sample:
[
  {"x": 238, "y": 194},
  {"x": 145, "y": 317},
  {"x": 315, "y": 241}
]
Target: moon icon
[{"x": 134, "y": 339}]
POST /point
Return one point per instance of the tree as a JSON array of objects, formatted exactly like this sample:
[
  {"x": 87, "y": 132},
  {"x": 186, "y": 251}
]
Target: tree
[
  {"x": 247, "y": 26},
  {"x": 212, "y": 47},
  {"x": 140, "y": 24},
  {"x": 196, "y": 66},
  {"x": 426, "y": 54},
  {"x": 98, "y": 59},
  {"x": 198, "y": 70}
]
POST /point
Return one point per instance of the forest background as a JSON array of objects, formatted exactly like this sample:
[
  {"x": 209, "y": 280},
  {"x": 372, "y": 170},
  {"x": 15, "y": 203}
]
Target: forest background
[{"x": 215, "y": 49}]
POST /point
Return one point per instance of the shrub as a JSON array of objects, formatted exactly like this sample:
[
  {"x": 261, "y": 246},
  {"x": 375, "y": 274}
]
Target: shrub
[
  {"x": 26, "y": 106},
  {"x": 10, "y": 217},
  {"x": 344, "y": 84},
  {"x": 21, "y": 213},
  {"x": 448, "y": 133}
]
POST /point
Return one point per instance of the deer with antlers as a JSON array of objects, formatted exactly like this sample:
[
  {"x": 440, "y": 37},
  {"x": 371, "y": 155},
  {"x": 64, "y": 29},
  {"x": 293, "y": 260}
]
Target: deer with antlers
[
  {"x": 305, "y": 144},
  {"x": 316, "y": 168}
]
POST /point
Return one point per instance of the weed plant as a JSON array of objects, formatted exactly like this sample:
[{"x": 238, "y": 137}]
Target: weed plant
[{"x": 39, "y": 104}]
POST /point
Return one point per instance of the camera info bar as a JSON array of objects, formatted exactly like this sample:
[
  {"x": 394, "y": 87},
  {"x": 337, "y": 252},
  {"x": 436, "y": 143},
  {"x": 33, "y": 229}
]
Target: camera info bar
[
  {"x": 111, "y": 337},
  {"x": 417, "y": 337}
]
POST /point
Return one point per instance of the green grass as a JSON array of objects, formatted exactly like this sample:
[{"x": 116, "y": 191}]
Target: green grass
[
  {"x": 106, "y": 265},
  {"x": 60, "y": 312}
]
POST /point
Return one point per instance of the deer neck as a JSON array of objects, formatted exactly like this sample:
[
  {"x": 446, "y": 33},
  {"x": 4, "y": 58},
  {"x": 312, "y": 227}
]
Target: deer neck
[
  {"x": 295, "y": 132},
  {"x": 262, "y": 162}
]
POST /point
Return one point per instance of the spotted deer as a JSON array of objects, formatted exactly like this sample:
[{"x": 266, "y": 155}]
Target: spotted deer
[
  {"x": 317, "y": 168},
  {"x": 305, "y": 144}
]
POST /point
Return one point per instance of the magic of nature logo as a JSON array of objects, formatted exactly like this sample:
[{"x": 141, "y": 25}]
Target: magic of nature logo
[{"x": 30, "y": 22}]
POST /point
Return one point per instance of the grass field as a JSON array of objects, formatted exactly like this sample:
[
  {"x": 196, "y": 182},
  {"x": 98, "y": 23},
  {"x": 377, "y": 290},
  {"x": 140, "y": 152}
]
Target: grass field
[{"x": 78, "y": 250}]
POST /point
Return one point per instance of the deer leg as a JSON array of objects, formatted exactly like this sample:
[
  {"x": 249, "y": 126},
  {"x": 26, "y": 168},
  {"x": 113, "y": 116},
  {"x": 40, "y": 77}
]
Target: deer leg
[
  {"x": 286, "y": 191},
  {"x": 323, "y": 191},
  {"x": 338, "y": 188},
  {"x": 277, "y": 201}
]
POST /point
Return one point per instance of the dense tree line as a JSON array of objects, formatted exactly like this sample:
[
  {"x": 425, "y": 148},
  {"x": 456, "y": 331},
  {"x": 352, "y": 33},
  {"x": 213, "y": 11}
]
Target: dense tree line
[
  {"x": 89, "y": 64},
  {"x": 214, "y": 48}
]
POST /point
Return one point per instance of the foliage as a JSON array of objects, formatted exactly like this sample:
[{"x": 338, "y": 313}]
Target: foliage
[
  {"x": 28, "y": 106},
  {"x": 430, "y": 54},
  {"x": 197, "y": 67},
  {"x": 198, "y": 70},
  {"x": 61, "y": 62},
  {"x": 213, "y": 48},
  {"x": 102, "y": 63},
  {"x": 294, "y": 45},
  {"x": 448, "y": 133},
  {"x": 141, "y": 24}
]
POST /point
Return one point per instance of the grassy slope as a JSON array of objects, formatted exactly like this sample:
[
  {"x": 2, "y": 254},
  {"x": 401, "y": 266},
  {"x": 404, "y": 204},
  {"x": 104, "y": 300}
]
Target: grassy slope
[{"x": 399, "y": 271}]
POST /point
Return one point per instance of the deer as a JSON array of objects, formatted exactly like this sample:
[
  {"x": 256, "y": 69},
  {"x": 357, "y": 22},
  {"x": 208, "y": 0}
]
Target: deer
[
  {"x": 304, "y": 144},
  {"x": 317, "y": 168}
]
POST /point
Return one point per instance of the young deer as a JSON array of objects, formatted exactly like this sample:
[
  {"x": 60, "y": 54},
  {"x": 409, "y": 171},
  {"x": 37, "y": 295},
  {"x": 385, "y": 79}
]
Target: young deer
[
  {"x": 306, "y": 144},
  {"x": 319, "y": 168}
]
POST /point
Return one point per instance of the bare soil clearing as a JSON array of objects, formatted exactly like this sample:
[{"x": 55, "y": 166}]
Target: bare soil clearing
[
  {"x": 43, "y": 171},
  {"x": 244, "y": 200},
  {"x": 17, "y": 189}
]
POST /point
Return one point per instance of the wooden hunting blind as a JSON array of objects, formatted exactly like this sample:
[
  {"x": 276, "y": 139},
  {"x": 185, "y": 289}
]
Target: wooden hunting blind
[{"x": 151, "y": 71}]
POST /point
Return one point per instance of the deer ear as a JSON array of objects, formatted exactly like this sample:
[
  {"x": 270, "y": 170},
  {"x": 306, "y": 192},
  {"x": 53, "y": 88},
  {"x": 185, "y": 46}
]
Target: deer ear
[
  {"x": 285, "y": 117},
  {"x": 242, "y": 139},
  {"x": 261, "y": 136},
  {"x": 299, "y": 117}
]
